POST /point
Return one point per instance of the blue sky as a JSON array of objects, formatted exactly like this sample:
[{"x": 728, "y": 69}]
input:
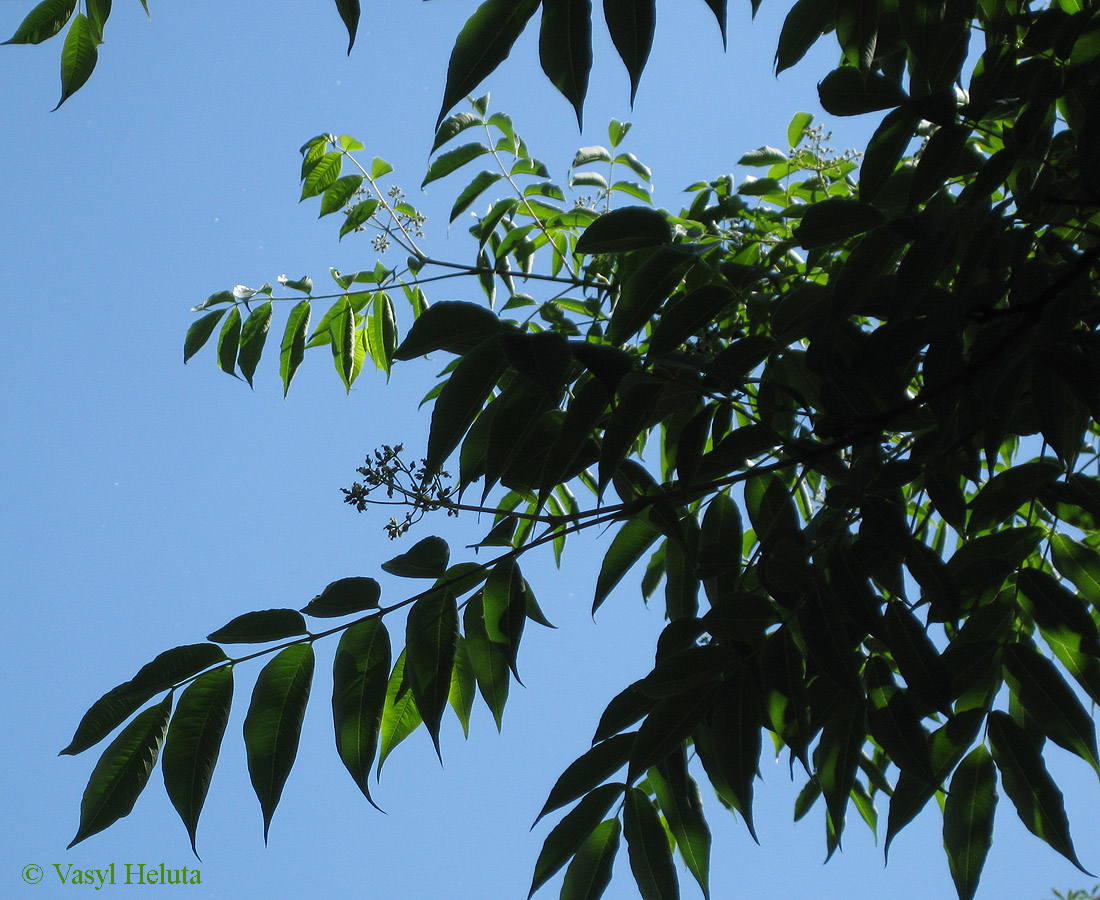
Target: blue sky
[{"x": 146, "y": 503}]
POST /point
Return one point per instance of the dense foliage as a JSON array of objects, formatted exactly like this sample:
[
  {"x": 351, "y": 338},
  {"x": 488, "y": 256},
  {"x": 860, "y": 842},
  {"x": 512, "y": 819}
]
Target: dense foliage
[{"x": 866, "y": 389}]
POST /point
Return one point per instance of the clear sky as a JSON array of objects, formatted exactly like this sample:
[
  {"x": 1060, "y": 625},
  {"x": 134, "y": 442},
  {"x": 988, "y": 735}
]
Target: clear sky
[{"x": 145, "y": 504}]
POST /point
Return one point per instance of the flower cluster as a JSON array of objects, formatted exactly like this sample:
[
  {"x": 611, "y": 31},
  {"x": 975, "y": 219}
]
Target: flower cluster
[{"x": 405, "y": 484}]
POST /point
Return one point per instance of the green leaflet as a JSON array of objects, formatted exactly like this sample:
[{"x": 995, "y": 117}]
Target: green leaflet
[
  {"x": 462, "y": 398},
  {"x": 199, "y": 333},
  {"x": 454, "y": 125},
  {"x": 229, "y": 341},
  {"x": 360, "y": 675},
  {"x": 565, "y": 48},
  {"x": 43, "y": 22},
  {"x": 590, "y": 871},
  {"x": 400, "y": 717},
  {"x": 463, "y": 686},
  {"x": 1079, "y": 563},
  {"x": 504, "y": 600},
  {"x": 587, "y": 771},
  {"x": 483, "y": 43},
  {"x": 260, "y": 627},
  {"x": 431, "y": 635},
  {"x": 427, "y": 558},
  {"x": 78, "y": 56},
  {"x": 253, "y": 336},
  {"x": 570, "y": 834},
  {"x": 1045, "y": 696},
  {"x": 343, "y": 597},
  {"x": 452, "y": 160},
  {"x": 968, "y": 819},
  {"x": 293, "y": 346},
  {"x": 322, "y": 174},
  {"x": 650, "y": 855},
  {"x": 274, "y": 723},
  {"x": 682, "y": 805},
  {"x": 337, "y": 194},
  {"x": 168, "y": 669},
  {"x": 486, "y": 658},
  {"x": 193, "y": 743},
  {"x": 631, "y": 23},
  {"x": 1033, "y": 792},
  {"x": 349, "y": 12},
  {"x": 122, "y": 772},
  {"x": 628, "y": 546}
]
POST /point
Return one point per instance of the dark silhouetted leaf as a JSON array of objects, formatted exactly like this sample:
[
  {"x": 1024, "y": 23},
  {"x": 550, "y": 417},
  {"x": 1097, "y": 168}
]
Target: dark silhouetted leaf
[
  {"x": 113, "y": 708},
  {"x": 483, "y": 44},
  {"x": 431, "y": 634},
  {"x": 122, "y": 772},
  {"x": 427, "y": 558},
  {"x": 647, "y": 843},
  {"x": 631, "y": 23},
  {"x": 1033, "y": 792},
  {"x": 349, "y": 12},
  {"x": 682, "y": 805},
  {"x": 274, "y": 723},
  {"x": 193, "y": 742},
  {"x": 628, "y": 546},
  {"x": 590, "y": 871},
  {"x": 360, "y": 674},
  {"x": 565, "y": 48},
  {"x": 588, "y": 771},
  {"x": 1050, "y": 702},
  {"x": 627, "y": 228},
  {"x": 260, "y": 627},
  {"x": 487, "y": 659},
  {"x": 968, "y": 819},
  {"x": 569, "y": 835},
  {"x": 345, "y": 596},
  {"x": 849, "y": 92}
]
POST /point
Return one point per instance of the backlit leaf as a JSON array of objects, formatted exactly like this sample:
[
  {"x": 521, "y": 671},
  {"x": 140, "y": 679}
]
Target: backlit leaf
[
  {"x": 360, "y": 675},
  {"x": 78, "y": 56},
  {"x": 122, "y": 772},
  {"x": 968, "y": 819},
  {"x": 569, "y": 835},
  {"x": 260, "y": 627},
  {"x": 650, "y": 856},
  {"x": 483, "y": 43},
  {"x": 43, "y": 22},
  {"x": 431, "y": 635},
  {"x": 193, "y": 742},
  {"x": 274, "y": 723}
]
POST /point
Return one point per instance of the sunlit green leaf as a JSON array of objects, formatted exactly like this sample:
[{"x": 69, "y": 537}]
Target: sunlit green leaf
[
  {"x": 43, "y": 22},
  {"x": 78, "y": 56}
]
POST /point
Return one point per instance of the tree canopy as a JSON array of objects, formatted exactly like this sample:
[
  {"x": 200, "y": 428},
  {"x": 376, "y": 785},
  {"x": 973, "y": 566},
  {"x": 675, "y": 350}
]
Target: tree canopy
[{"x": 842, "y": 415}]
